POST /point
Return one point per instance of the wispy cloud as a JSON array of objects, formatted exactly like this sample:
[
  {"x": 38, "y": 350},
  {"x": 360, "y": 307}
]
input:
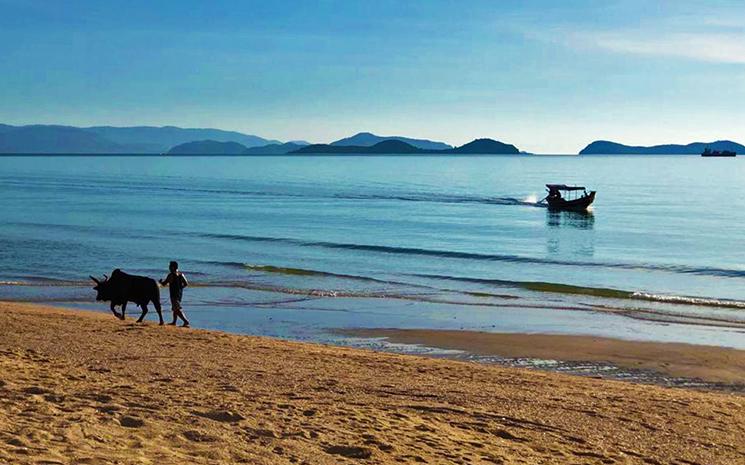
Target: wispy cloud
[
  {"x": 708, "y": 47},
  {"x": 712, "y": 37}
]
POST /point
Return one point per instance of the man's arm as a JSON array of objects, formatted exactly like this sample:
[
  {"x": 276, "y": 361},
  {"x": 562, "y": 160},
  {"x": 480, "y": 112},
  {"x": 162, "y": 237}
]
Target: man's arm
[
  {"x": 184, "y": 282},
  {"x": 165, "y": 282}
]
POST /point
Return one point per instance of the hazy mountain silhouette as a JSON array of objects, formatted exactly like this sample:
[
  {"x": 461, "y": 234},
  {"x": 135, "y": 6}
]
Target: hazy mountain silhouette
[
  {"x": 208, "y": 147},
  {"x": 328, "y": 148},
  {"x": 107, "y": 139},
  {"x": 384, "y": 147},
  {"x": 160, "y": 139},
  {"x": 190, "y": 141},
  {"x": 478, "y": 146},
  {"x": 604, "y": 147},
  {"x": 54, "y": 139},
  {"x": 366, "y": 139},
  {"x": 274, "y": 149},
  {"x": 485, "y": 147}
]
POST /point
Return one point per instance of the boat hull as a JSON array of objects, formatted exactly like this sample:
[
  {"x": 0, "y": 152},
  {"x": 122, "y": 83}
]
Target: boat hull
[{"x": 577, "y": 205}]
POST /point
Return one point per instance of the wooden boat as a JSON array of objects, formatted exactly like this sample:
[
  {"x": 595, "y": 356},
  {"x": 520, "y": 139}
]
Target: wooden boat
[{"x": 574, "y": 200}]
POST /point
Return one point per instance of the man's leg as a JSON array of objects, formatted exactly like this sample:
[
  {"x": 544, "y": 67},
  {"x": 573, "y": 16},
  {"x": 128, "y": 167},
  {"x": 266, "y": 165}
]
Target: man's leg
[
  {"x": 175, "y": 310},
  {"x": 183, "y": 317}
]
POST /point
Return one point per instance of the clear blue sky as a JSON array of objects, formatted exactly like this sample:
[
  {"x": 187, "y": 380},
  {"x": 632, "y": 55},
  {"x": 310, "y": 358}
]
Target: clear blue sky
[{"x": 548, "y": 76}]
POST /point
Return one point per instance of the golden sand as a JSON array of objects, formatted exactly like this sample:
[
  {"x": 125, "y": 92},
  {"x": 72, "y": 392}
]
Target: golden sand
[{"x": 84, "y": 388}]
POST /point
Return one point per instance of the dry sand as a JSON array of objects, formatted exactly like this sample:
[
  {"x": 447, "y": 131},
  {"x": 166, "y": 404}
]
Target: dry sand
[
  {"x": 84, "y": 388},
  {"x": 715, "y": 364}
]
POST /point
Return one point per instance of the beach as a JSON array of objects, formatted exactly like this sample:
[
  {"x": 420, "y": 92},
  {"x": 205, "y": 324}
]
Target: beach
[{"x": 82, "y": 387}]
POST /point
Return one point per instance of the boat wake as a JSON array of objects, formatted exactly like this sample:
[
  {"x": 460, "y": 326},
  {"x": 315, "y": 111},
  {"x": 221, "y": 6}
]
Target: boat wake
[{"x": 300, "y": 191}]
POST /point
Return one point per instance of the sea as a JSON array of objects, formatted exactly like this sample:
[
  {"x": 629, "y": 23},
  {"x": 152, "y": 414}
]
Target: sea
[{"x": 301, "y": 247}]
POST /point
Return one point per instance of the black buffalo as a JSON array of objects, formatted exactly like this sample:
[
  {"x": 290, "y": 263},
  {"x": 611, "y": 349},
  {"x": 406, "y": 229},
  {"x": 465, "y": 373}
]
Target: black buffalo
[{"x": 122, "y": 288}]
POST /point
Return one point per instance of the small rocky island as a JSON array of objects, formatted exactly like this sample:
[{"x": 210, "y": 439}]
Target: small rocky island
[{"x": 604, "y": 147}]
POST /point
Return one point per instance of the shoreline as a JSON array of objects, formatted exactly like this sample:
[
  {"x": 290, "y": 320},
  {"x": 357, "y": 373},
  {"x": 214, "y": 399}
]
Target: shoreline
[
  {"x": 83, "y": 387},
  {"x": 719, "y": 367}
]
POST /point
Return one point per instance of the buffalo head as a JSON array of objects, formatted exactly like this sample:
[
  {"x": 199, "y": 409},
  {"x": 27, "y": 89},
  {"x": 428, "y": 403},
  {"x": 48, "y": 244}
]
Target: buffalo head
[{"x": 102, "y": 288}]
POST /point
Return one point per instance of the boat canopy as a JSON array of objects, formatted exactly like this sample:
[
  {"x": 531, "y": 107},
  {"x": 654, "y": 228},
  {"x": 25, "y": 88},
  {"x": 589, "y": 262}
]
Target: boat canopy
[{"x": 564, "y": 187}]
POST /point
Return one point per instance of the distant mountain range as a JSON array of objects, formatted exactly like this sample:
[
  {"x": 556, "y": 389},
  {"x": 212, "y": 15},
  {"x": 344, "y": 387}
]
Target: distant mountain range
[
  {"x": 208, "y": 147},
  {"x": 366, "y": 139},
  {"x": 397, "y": 146},
  {"x": 383, "y": 147},
  {"x": 160, "y": 139},
  {"x": 604, "y": 147},
  {"x": 56, "y": 139},
  {"x": 276, "y": 149},
  {"x": 213, "y": 147},
  {"x": 361, "y": 143},
  {"x": 387, "y": 146}
]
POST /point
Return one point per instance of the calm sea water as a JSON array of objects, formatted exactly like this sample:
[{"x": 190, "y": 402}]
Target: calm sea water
[{"x": 294, "y": 247}]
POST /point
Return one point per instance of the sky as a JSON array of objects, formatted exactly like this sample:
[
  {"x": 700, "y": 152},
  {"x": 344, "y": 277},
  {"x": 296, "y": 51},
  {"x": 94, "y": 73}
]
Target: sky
[{"x": 548, "y": 76}]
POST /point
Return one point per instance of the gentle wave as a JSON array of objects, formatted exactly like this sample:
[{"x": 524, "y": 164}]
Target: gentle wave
[
  {"x": 290, "y": 271},
  {"x": 683, "y": 269},
  {"x": 536, "y": 286},
  {"x": 509, "y": 258},
  {"x": 559, "y": 288},
  {"x": 285, "y": 270},
  {"x": 495, "y": 301},
  {"x": 46, "y": 282}
]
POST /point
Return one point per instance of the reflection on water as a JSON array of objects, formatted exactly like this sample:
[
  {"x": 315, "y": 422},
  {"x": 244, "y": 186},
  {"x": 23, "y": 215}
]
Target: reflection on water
[
  {"x": 579, "y": 220},
  {"x": 570, "y": 233}
]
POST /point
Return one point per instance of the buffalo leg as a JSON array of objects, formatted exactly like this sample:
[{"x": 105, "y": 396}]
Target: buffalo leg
[
  {"x": 144, "y": 312},
  {"x": 113, "y": 310},
  {"x": 156, "y": 304},
  {"x": 124, "y": 309}
]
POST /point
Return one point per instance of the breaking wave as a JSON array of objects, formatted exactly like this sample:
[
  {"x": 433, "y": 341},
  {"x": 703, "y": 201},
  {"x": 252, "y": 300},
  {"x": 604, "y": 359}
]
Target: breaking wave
[{"x": 609, "y": 293}]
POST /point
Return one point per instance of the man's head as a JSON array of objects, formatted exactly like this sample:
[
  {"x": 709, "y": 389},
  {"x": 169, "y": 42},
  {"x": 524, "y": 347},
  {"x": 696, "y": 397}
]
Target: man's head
[{"x": 173, "y": 266}]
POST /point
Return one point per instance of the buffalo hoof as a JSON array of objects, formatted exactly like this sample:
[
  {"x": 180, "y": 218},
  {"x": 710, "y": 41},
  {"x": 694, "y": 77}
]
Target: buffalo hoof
[{"x": 161, "y": 323}]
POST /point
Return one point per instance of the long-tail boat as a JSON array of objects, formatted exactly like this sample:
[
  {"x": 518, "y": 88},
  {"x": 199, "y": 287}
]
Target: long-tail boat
[{"x": 575, "y": 198}]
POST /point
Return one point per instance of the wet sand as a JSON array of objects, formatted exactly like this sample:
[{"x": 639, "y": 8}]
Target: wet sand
[
  {"x": 708, "y": 363},
  {"x": 84, "y": 388}
]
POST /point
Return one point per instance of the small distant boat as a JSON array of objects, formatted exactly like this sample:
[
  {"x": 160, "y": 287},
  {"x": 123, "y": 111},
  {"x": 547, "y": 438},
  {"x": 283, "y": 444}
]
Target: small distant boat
[
  {"x": 716, "y": 153},
  {"x": 574, "y": 201}
]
